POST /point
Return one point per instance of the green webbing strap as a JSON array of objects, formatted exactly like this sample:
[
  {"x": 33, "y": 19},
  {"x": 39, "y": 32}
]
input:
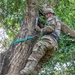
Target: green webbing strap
[{"x": 22, "y": 40}]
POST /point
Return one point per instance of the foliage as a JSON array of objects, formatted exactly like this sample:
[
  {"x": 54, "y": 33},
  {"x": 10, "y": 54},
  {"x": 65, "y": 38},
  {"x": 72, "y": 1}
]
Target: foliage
[
  {"x": 12, "y": 15},
  {"x": 66, "y": 11}
]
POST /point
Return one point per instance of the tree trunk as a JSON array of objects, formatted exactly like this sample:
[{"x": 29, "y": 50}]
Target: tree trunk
[
  {"x": 2, "y": 54},
  {"x": 16, "y": 57}
]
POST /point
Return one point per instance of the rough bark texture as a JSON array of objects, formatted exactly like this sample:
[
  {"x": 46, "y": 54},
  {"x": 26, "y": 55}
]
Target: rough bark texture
[
  {"x": 16, "y": 57},
  {"x": 2, "y": 54}
]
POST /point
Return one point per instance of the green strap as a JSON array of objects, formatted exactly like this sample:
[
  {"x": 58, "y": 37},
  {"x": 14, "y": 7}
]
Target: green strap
[{"x": 22, "y": 40}]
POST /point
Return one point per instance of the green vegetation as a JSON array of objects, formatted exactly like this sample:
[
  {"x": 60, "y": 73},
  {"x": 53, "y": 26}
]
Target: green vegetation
[{"x": 63, "y": 60}]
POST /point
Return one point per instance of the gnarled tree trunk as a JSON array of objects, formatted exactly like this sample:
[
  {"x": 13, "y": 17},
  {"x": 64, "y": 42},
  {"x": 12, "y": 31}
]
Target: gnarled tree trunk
[{"x": 16, "y": 57}]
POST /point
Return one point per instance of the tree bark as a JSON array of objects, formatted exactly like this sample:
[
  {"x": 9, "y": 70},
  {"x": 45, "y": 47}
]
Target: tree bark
[
  {"x": 16, "y": 57},
  {"x": 2, "y": 54}
]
